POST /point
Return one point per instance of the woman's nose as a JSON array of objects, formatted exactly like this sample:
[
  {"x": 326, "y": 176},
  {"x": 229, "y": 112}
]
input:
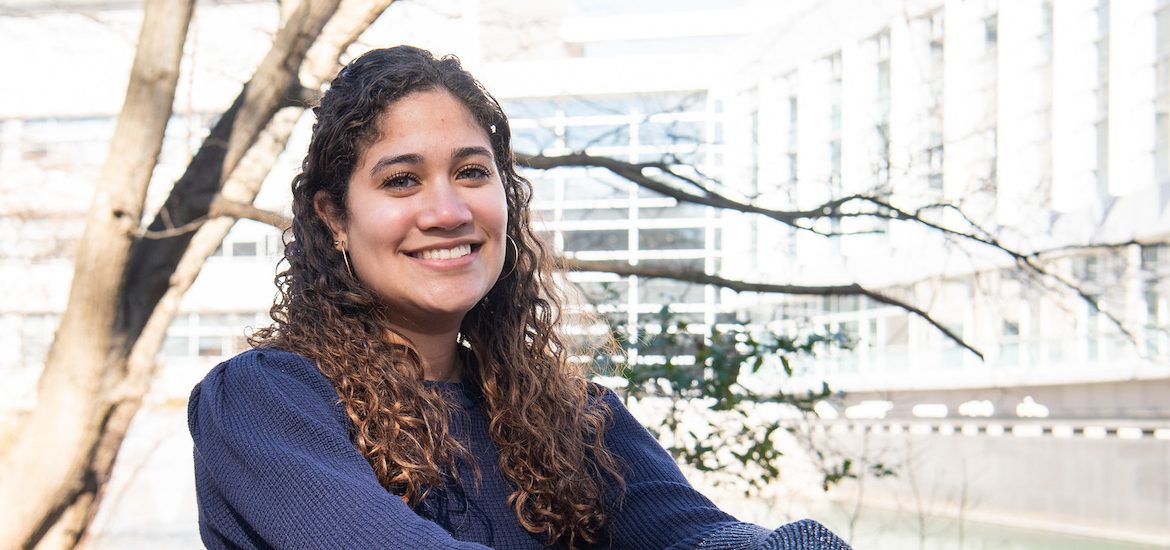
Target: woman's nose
[{"x": 445, "y": 207}]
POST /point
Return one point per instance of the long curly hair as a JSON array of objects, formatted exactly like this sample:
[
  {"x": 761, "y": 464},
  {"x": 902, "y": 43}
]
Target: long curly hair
[{"x": 546, "y": 418}]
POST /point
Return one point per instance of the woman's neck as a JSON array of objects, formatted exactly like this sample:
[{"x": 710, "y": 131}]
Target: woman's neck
[{"x": 437, "y": 351}]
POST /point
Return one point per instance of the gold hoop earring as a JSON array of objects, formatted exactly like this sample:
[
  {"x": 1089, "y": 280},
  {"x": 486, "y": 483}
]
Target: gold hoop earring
[
  {"x": 345, "y": 258},
  {"x": 515, "y": 257}
]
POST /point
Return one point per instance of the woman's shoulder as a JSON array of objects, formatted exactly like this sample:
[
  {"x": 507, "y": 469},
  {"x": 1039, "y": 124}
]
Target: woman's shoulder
[
  {"x": 262, "y": 373},
  {"x": 266, "y": 362},
  {"x": 601, "y": 395}
]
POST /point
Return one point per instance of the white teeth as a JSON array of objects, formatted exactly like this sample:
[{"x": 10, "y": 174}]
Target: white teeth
[{"x": 446, "y": 253}]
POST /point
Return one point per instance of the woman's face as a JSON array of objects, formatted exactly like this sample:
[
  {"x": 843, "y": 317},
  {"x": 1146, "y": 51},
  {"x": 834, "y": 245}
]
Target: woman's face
[{"x": 426, "y": 212}]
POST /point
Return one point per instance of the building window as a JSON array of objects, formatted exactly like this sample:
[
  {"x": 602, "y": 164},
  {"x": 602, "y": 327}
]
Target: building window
[
  {"x": 934, "y": 163},
  {"x": 1162, "y": 93},
  {"x": 834, "y": 86},
  {"x": 1045, "y": 40},
  {"x": 1102, "y": 125},
  {"x": 990, "y": 32},
  {"x": 991, "y": 97},
  {"x": 882, "y": 106},
  {"x": 937, "y": 43},
  {"x": 935, "y": 150},
  {"x": 244, "y": 249},
  {"x": 753, "y": 98},
  {"x": 685, "y": 238},
  {"x": 274, "y": 245},
  {"x": 793, "y": 129},
  {"x": 599, "y": 240},
  {"x": 596, "y": 215},
  {"x": 1155, "y": 267},
  {"x": 1046, "y": 31}
]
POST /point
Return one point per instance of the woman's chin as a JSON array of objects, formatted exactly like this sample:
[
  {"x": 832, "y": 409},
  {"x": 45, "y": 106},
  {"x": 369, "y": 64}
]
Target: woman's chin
[{"x": 451, "y": 311}]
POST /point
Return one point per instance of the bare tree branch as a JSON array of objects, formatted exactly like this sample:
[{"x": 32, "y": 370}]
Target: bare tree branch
[
  {"x": 1055, "y": 251},
  {"x": 222, "y": 207},
  {"x": 699, "y": 277},
  {"x": 635, "y": 172},
  {"x": 880, "y": 207},
  {"x": 234, "y": 209}
]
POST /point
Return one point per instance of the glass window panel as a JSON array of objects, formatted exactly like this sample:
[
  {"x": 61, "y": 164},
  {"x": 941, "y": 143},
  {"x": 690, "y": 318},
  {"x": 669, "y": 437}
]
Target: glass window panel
[
  {"x": 597, "y": 106},
  {"x": 582, "y": 137},
  {"x": 216, "y": 320},
  {"x": 594, "y": 188},
  {"x": 547, "y": 237},
  {"x": 655, "y": 318},
  {"x": 671, "y": 133},
  {"x": 676, "y": 103},
  {"x": 688, "y": 156},
  {"x": 532, "y": 140},
  {"x": 211, "y": 346},
  {"x": 669, "y": 291},
  {"x": 595, "y": 214},
  {"x": 681, "y": 210},
  {"x": 544, "y": 189},
  {"x": 274, "y": 246},
  {"x": 244, "y": 249},
  {"x": 613, "y": 293},
  {"x": 597, "y": 240},
  {"x": 1161, "y": 146},
  {"x": 531, "y": 108},
  {"x": 668, "y": 239},
  {"x": 176, "y": 346},
  {"x": 685, "y": 264}
]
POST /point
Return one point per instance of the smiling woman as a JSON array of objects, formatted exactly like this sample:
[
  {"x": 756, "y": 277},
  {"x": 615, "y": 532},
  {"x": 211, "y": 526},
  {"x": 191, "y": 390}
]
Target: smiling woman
[
  {"x": 423, "y": 221},
  {"x": 414, "y": 390}
]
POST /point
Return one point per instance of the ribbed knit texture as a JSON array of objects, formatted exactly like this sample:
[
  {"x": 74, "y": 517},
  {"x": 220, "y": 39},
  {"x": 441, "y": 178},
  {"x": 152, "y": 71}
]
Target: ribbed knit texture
[{"x": 274, "y": 468}]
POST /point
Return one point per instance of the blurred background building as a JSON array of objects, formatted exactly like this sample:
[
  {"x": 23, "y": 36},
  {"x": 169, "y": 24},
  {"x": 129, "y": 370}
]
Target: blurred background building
[{"x": 1045, "y": 122}]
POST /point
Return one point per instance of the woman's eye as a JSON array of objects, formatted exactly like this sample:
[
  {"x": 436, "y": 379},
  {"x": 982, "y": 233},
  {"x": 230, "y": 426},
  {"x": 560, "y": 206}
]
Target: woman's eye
[
  {"x": 474, "y": 172},
  {"x": 398, "y": 181}
]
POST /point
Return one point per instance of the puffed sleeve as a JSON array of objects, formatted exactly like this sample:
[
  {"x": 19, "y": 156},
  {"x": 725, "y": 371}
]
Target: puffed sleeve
[
  {"x": 274, "y": 467},
  {"x": 660, "y": 509}
]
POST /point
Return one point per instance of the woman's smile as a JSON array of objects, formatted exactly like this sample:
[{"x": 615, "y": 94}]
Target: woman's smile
[{"x": 453, "y": 253}]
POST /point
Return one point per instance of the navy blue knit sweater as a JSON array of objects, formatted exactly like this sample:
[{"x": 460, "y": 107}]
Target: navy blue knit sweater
[{"x": 275, "y": 468}]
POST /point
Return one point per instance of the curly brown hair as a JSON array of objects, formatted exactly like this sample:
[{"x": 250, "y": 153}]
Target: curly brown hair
[{"x": 546, "y": 418}]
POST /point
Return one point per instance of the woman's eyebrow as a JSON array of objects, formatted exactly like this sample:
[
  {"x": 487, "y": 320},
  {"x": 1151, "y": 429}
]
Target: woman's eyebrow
[
  {"x": 409, "y": 158},
  {"x": 464, "y": 152},
  {"x": 415, "y": 158}
]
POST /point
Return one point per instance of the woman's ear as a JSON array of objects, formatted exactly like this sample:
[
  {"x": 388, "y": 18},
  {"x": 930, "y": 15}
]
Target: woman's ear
[{"x": 331, "y": 217}]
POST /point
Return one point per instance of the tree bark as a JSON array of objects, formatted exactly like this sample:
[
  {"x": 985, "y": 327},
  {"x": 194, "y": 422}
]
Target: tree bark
[
  {"x": 242, "y": 186},
  {"x": 240, "y": 189},
  {"x": 41, "y": 475},
  {"x": 93, "y": 383},
  {"x": 272, "y": 86}
]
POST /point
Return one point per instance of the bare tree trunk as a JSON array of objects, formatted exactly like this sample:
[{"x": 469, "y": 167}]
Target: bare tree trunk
[
  {"x": 241, "y": 188},
  {"x": 143, "y": 342},
  {"x": 41, "y": 475},
  {"x": 273, "y": 85},
  {"x": 352, "y": 17},
  {"x": 51, "y": 479}
]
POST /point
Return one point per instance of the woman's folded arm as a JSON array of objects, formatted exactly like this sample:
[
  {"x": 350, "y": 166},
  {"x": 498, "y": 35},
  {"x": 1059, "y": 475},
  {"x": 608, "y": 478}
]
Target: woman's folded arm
[
  {"x": 275, "y": 467},
  {"x": 660, "y": 509}
]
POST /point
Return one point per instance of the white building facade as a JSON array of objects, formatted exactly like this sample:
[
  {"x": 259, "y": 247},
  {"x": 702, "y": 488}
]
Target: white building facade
[
  {"x": 1043, "y": 122},
  {"x": 1046, "y": 122}
]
